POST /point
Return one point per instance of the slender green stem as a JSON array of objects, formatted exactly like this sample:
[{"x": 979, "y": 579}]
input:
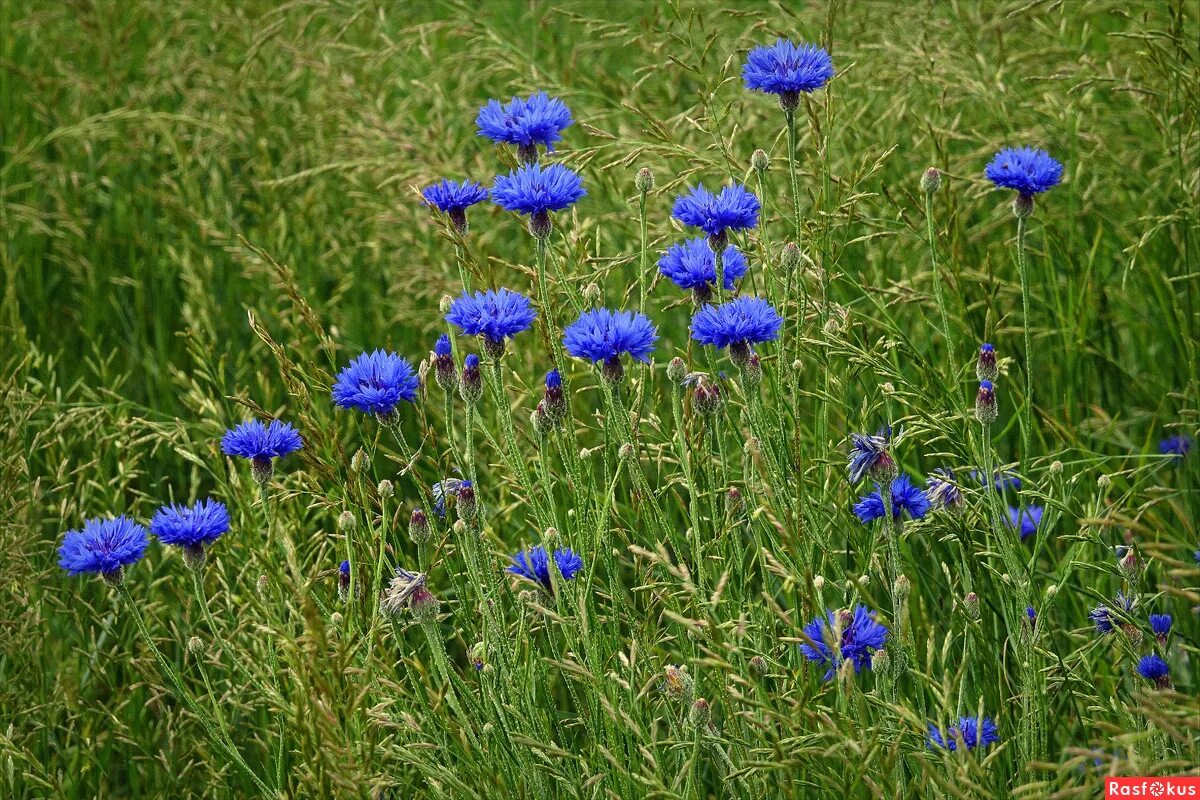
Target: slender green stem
[
  {"x": 1027, "y": 406},
  {"x": 951, "y": 349},
  {"x": 790, "y": 118},
  {"x": 643, "y": 256}
]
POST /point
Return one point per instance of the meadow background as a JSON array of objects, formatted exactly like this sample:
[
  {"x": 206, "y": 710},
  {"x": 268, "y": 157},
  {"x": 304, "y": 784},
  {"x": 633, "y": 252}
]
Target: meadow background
[{"x": 208, "y": 207}]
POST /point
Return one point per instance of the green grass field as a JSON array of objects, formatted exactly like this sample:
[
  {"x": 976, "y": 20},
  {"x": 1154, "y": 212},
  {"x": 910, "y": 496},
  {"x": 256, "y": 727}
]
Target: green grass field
[{"x": 208, "y": 208}]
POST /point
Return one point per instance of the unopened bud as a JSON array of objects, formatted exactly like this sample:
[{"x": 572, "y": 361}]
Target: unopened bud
[
  {"x": 676, "y": 371},
  {"x": 418, "y": 527},
  {"x": 1056, "y": 467},
  {"x": 1104, "y": 481},
  {"x": 759, "y": 160},
  {"x": 986, "y": 368},
  {"x": 902, "y": 588},
  {"x": 261, "y": 585},
  {"x": 759, "y": 666},
  {"x": 701, "y": 714},
  {"x": 752, "y": 372},
  {"x": 359, "y": 461},
  {"x": 931, "y": 180},
  {"x": 592, "y": 294},
  {"x": 678, "y": 683},
  {"x": 644, "y": 180},
  {"x": 195, "y": 646},
  {"x": 471, "y": 385},
  {"x": 468, "y": 508},
  {"x": 386, "y": 489},
  {"x": 971, "y": 606},
  {"x": 986, "y": 409},
  {"x": 345, "y": 521},
  {"x": 627, "y": 453}
]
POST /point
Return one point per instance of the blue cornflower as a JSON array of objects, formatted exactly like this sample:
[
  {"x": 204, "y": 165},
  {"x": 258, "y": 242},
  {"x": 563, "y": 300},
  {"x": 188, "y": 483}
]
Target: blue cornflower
[
  {"x": 738, "y": 324},
  {"x": 941, "y": 490},
  {"x": 534, "y": 564},
  {"x": 443, "y": 489},
  {"x": 1024, "y": 169},
  {"x": 496, "y": 315},
  {"x": 1026, "y": 520},
  {"x": 261, "y": 443},
  {"x": 972, "y": 731},
  {"x": 869, "y": 456},
  {"x": 442, "y": 347},
  {"x": 1153, "y": 668},
  {"x": 693, "y": 265},
  {"x": 906, "y": 498},
  {"x": 103, "y": 546},
  {"x": 861, "y": 635},
  {"x": 375, "y": 383},
  {"x": 601, "y": 335},
  {"x": 1102, "y": 616},
  {"x": 191, "y": 528},
  {"x": 735, "y": 208},
  {"x": 525, "y": 123},
  {"x": 536, "y": 191},
  {"x": 443, "y": 364},
  {"x": 1176, "y": 446},
  {"x": 1161, "y": 625},
  {"x": 787, "y": 69},
  {"x": 454, "y": 198}
]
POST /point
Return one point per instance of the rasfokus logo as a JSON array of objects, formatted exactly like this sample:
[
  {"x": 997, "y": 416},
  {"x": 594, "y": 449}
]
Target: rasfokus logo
[{"x": 1151, "y": 787}]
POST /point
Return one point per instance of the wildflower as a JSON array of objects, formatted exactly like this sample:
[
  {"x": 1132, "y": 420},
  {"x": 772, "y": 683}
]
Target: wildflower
[
  {"x": 906, "y": 498},
  {"x": 931, "y": 180},
  {"x": 693, "y": 265},
  {"x": 677, "y": 683},
  {"x": 1161, "y": 625},
  {"x": 760, "y": 161},
  {"x": 869, "y": 456},
  {"x": 496, "y": 315},
  {"x": 973, "y": 732},
  {"x": 554, "y": 403},
  {"x": 856, "y": 634},
  {"x": 644, "y": 180},
  {"x": 527, "y": 123},
  {"x": 1024, "y": 169},
  {"x": 700, "y": 717},
  {"x": 470, "y": 386},
  {"x": 902, "y": 588},
  {"x": 454, "y": 198},
  {"x": 195, "y": 646},
  {"x": 738, "y": 324},
  {"x": 790, "y": 256},
  {"x": 375, "y": 383},
  {"x": 407, "y": 592},
  {"x": 1128, "y": 563},
  {"x": 1102, "y": 617},
  {"x": 971, "y": 606},
  {"x": 752, "y": 370},
  {"x": 1153, "y": 668},
  {"x": 986, "y": 410},
  {"x": 534, "y": 564},
  {"x": 418, "y": 527},
  {"x": 602, "y": 336},
  {"x": 734, "y": 209},
  {"x": 359, "y": 461},
  {"x": 191, "y": 528},
  {"x": 443, "y": 364},
  {"x": 706, "y": 398},
  {"x": 468, "y": 506},
  {"x": 942, "y": 492},
  {"x": 442, "y": 490},
  {"x": 343, "y": 580},
  {"x": 676, "y": 371},
  {"x": 346, "y": 521},
  {"x": 759, "y": 666},
  {"x": 786, "y": 69},
  {"x": 386, "y": 489},
  {"x": 103, "y": 546},
  {"x": 536, "y": 191},
  {"x": 986, "y": 368},
  {"x": 1176, "y": 446},
  {"x": 1025, "y": 520},
  {"x": 261, "y": 443}
]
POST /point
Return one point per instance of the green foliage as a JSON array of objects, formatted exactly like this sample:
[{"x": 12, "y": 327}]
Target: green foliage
[{"x": 208, "y": 208}]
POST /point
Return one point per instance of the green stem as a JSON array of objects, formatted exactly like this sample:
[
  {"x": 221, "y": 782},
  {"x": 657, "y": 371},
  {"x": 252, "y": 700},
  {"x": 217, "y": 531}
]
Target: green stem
[
  {"x": 1027, "y": 407},
  {"x": 937, "y": 287}
]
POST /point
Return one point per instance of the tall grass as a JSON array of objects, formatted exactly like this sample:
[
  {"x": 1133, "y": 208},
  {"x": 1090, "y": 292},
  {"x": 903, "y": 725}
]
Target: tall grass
[{"x": 207, "y": 208}]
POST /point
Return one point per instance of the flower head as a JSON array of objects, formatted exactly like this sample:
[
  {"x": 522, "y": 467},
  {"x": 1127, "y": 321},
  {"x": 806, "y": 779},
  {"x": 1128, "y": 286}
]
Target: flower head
[
  {"x": 735, "y": 208},
  {"x": 534, "y": 564},
  {"x": 189, "y": 527},
  {"x": 942, "y": 491},
  {"x": 604, "y": 335},
  {"x": 441, "y": 491},
  {"x": 1102, "y": 617},
  {"x": 1176, "y": 446},
  {"x": 739, "y": 324},
  {"x": 103, "y": 546},
  {"x": 906, "y": 499},
  {"x": 1161, "y": 625},
  {"x": 495, "y": 315},
  {"x": 856, "y": 634},
  {"x": 1153, "y": 668},
  {"x": 1024, "y": 169},
  {"x": 986, "y": 368},
  {"x": 869, "y": 456},
  {"x": 693, "y": 265},
  {"x": 787, "y": 69},
  {"x": 408, "y": 592},
  {"x": 527, "y": 123},
  {"x": 1025, "y": 520},
  {"x": 973, "y": 732},
  {"x": 375, "y": 383},
  {"x": 260, "y": 443},
  {"x": 451, "y": 196},
  {"x": 534, "y": 189}
]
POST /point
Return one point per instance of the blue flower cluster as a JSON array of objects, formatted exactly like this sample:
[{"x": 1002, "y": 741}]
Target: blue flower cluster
[
  {"x": 1024, "y": 169},
  {"x": 527, "y": 123},
  {"x": 693, "y": 265},
  {"x": 534, "y": 564},
  {"x": 495, "y": 315},
  {"x": 734, "y": 209},
  {"x": 375, "y": 383},
  {"x": 907, "y": 498},
  {"x": 603, "y": 335},
  {"x": 837, "y": 637},
  {"x": 787, "y": 69},
  {"x": 973, "y": 732}
]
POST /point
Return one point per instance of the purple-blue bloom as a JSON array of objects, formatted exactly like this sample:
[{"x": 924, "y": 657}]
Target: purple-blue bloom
[
  {"x": 375, "y": 383},
  {"x": 693, "y": 265},
  {"x": 785, "y": 68},
  {"x": 189, "y": 527},
  {"x": 527, "y": 123},
  {"x": 1102, "y": 617},
  {"x": 450, "y": 196},
  {"x": 1176, "y": 446},
  {"x": 941, "y": 490},
  {"x": 972, "y": 731},
  {"x": 741, "y": 323},
  {"x": 1026, "y": 520},
  {"x": 103, "y": 546},
  {"x": 604, "y": 335},
  {"x": 254, "y": 440},
  {"x": 861, "y": 635},
  {"x": 536, "y": 190},
  {"x": 869, "y": 454},
  {"x": 442, "y": 347},
  {"x": 534, "y": 564},
  {"x": 1153, "y": 668},
  {"x": 906, "y": 498},
  {"x": 735, "y": 208},
  {"x": 1024, "y": 169},
  {"x": 495, "y": 315},
  {"x": 1161, "y": 625}
]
